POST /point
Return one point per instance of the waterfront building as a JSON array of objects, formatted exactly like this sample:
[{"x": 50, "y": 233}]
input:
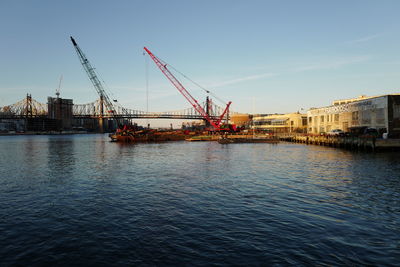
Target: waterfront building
[
  {"x": 9, "y": 125},
  {"x": 60, "y": 109},
  {"x": 353, "y": 115},
  {"x": 281, "y": 123},
  {"x": 240, "y": 119}
]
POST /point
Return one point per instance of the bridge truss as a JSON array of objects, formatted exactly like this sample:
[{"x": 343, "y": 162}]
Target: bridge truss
[
  {"x": 28, "y": 107},
  {"x": 93, "y": 110}
]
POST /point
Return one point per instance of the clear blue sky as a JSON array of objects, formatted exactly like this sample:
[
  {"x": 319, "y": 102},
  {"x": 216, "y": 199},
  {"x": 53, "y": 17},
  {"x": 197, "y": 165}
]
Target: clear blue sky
[{"x": 281, "y": 55}]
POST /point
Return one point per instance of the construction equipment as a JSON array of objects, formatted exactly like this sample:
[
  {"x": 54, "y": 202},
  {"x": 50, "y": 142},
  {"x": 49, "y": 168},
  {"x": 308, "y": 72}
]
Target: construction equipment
[
  {"x": 59, "y": 87},
  {"x": 216, "y": 123},
  {"x": 104, "y": 98}
]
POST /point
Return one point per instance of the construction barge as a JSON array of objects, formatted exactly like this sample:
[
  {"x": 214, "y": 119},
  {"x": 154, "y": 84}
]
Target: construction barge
[{"x": 149, "y": 135}]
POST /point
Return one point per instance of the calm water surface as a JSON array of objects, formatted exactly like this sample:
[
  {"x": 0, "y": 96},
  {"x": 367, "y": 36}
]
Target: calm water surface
[{"x": 81, "y": 200}]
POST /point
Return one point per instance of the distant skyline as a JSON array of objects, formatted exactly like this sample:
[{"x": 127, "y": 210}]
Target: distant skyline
[{"x": 264, "y": 56}]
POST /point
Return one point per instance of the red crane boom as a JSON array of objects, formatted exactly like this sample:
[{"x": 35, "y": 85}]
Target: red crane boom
[{"x": 163, "y": 67}]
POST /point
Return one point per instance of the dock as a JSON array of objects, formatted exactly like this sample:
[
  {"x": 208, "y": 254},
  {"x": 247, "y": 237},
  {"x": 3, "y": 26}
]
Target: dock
[{"x": 364, "y": 143}]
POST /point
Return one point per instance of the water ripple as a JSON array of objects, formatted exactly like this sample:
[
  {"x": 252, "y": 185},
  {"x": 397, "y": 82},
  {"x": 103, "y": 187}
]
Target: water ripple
[{"x": 80, "y": 200}]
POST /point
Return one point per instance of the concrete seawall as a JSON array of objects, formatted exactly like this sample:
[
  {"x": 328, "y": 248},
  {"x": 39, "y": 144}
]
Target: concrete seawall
[{"x": 365, "y": 143}]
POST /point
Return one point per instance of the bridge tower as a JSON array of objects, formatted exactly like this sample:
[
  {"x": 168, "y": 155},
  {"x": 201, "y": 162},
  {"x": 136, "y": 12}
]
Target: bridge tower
[
  {"x": 207, "y": 111},
  {"x": 28, "y": 110},
  {"x": 28, "y": 107},
  {"x": 101, "y": 115}
]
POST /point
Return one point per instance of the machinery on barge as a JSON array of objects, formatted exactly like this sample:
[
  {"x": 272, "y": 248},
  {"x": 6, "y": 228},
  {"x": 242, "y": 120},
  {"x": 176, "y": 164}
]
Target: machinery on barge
[{"x": 128, "y": 133}]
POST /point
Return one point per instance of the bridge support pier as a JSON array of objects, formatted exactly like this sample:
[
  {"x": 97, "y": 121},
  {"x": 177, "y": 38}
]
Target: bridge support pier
[
  {"x": 101, "y": 117},
  {"x": 208, "y": 112},
  {"x": 101, "y": 125}
]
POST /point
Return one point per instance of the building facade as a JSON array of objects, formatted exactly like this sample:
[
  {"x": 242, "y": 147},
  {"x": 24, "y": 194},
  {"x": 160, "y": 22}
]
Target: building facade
[
  {"x": 60, "y": 109},
  {"x": 380, "y": 112},
  {"x": 240, "y": 119},
  {"x": 281, "y": 123}
]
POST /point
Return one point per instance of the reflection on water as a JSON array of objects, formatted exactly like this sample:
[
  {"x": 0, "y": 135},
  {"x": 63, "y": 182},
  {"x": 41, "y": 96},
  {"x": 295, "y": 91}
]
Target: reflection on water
[
  {"x": 83, "y": 200},
  {"x": 60, "y": 157}
]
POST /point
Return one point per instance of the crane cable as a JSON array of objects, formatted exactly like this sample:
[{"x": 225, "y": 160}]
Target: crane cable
[
  {"x": 147, "y": 83},
  {"x": 115, "y": 105},
  {"x": 146, "y": 64},
  {"x": 195, "y": 83}
]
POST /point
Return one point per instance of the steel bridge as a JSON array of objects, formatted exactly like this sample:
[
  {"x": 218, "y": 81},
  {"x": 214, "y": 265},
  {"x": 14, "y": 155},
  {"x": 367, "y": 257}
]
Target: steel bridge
[{"x": 29, "y": 107}]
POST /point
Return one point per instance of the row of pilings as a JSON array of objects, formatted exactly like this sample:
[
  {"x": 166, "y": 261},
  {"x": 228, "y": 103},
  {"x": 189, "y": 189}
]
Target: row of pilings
[{"x": 363, "y": 143}]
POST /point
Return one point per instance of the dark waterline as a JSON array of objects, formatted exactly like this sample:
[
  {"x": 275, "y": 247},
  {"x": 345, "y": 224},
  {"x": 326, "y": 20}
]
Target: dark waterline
[{"x": 81, "y": 200}]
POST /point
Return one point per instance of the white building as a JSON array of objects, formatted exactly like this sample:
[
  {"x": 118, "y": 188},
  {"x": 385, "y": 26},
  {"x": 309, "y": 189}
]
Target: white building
[{"x": 379, "y": 112}]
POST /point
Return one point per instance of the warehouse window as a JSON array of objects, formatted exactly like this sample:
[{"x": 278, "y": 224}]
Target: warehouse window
[
  {"x": 336, "y": 117},
  {"x": 396, "y": 111},
  {"x": 354, "y": 115}
]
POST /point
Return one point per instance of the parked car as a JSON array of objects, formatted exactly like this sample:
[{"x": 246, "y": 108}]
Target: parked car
[
  {"x": 336, "y": 132},
  {"x": 371, "y": 132}
]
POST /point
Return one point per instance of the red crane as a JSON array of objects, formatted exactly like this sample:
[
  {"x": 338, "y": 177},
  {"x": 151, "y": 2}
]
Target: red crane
[{"x": 163, "y": 67}]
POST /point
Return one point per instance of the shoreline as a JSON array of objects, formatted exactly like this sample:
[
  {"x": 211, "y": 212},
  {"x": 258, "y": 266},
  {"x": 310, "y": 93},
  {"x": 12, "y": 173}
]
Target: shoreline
[
  {"x": 366, "y": 143},
  {"x": 49, "y": 133}
]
